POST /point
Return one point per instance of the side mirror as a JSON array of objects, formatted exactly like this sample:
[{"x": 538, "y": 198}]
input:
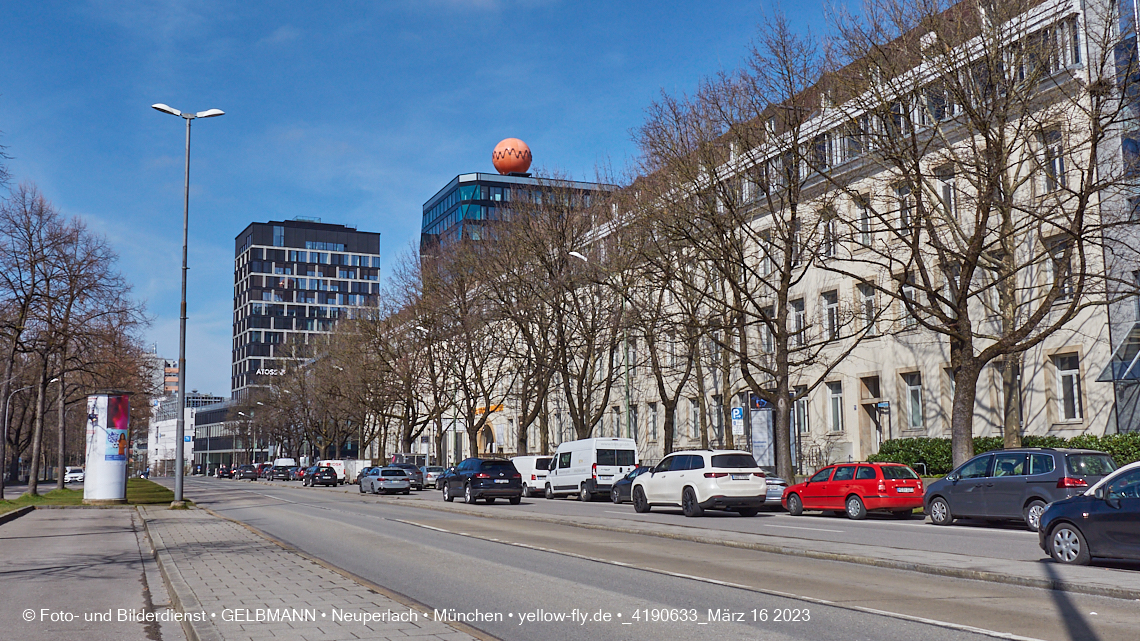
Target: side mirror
[
  {"x": 1099, "y": 493},
  {"x": 952, "y": 477}
]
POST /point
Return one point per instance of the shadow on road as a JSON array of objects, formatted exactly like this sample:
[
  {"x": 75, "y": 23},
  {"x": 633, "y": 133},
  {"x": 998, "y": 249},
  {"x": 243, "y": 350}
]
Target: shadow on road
[{"x": 1076, "y": 624}]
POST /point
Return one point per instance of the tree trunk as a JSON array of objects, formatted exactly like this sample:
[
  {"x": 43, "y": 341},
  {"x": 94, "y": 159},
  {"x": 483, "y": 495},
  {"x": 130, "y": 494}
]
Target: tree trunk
[
  {"x": 1011, "y": 395},
  {"x": 544, "y": 425},
  {"x": 61, "y": 436},
  {"x": 703, "y": 420},
  {"x": 38, "y": 437},
  {"x": 670, "y": 409},
  {"x": 782, "y": 429},
  {"x": 962, "y": 413}
]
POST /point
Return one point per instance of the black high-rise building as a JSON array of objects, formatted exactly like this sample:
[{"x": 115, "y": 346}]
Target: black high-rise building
[{"x": 292, "y": 279}]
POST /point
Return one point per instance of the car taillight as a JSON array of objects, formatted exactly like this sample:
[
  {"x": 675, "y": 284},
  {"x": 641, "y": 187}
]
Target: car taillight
[
  {"x": 760, "y": 474},
  {"x": 1067, "y": 481},
  {"x": 594, "y": 470},
  {"x": 482, "y": 475},
  {"x": 533, "y": 477},
  {"x": 715, "y": 475},
  {"x": 882, "y": 486}
]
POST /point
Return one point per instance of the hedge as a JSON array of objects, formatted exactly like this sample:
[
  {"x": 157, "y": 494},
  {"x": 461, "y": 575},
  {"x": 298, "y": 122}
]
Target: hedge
[{"x": 934, "y": 453}]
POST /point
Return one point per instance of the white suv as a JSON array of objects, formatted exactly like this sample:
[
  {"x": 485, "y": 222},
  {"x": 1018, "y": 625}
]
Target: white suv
[{"x": 701, "y": 480}]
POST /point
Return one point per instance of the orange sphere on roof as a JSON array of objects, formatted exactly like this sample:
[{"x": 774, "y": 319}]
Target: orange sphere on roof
[{"x": 511, "y": 156}]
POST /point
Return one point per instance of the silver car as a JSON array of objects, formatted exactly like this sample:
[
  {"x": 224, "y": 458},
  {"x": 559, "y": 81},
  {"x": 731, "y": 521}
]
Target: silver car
[
  {"x": 431, "y": 473},
  {"x": 382, "y": 480},
  {"x": 776, "y": 486}
]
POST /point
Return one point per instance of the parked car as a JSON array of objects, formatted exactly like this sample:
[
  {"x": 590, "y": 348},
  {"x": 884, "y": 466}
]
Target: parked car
[
  {"x": 856, "y": 489},
  {"x": 263, "y": 469},
  {"x": 775, "y": 495},
  {"x": 621, "y": 491},
  {"x": 431, "y": 475},
  {"x": 414, "y": 474},
  {"x": 279, "y": 473},
  {"x": 224, "y": 472},
  {"x": 589, "y": 466},
  {"x": 1104, "y": 521},
  {"x": 320, "y": 475},
  {"x": 338, "y": 467},
  {"x": 533, "y": 470},
  {"x": 363, "y": 473},
  {"x": 73, "y": 475},
  {"x": 382, "y": 480},
  {"x": 487, "y": 479},
  {"x": 246, "y": 472},
  {"x": 298, "y": 473},
  {"x": 1014, "y": 484},
  {"x": 701, "y": 480}
]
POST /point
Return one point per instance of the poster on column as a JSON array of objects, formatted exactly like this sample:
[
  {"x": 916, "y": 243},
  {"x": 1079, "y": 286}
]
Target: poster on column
[
  {"x": 118, "y": 421},
  {"x": 108, "y": 420}
]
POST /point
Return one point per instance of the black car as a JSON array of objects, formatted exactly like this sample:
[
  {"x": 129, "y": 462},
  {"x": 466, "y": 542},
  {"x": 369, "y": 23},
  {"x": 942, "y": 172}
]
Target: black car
[
  {"x": 224, "y": 472},
  {"x": 415, "y": 474},
  {"x": 1015, "y": 484},
  {"x": 1105, "y": 523},
  {"x": 279, "y": 473},
  {"x": 246, "y": 472},
  {"x": 364, "y": 471},
  {"x": 320, "y": 475},
  {"x": 487, "y": 479},
  {"x": 620, "y": 491}
]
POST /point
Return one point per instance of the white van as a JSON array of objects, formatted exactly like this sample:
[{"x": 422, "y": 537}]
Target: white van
[
  {"x": 284, "y": 462},
  {"x": 589, "y": 466},
  {"x": 533, "y": 470},
  {"x": 338, "y": 466}
]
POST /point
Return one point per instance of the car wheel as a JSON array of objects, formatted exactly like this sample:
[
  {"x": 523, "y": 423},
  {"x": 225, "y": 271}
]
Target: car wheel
[
  {"x": 614, "y": 496},
  {"x": 468, "y": 495},
  {"x": 447, "y": 494},
  {"x": 748, "y": 511},
  {"x": 940, "y": 512},
  {"x": 515, "y": 500},
  {"x": 526, "y": 491},
  {"x": 795, "y": 505},
  {"x": 584, "y": 494},
  {"x": 639, "y": 502},
  {"x": 1068, "y": 545},
  {"x": 549, "y": 493},
  {"x": 407, "y": 492},
  {"x": 689, "y": 503},
  {"x": 1033, "y": 513},
  {"x": 362, "y": 488},
  {"x": 856, "y": 511}
]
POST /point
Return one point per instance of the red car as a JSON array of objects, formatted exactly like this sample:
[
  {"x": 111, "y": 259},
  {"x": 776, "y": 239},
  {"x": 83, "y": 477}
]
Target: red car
[{"x": 857, "y": 488}]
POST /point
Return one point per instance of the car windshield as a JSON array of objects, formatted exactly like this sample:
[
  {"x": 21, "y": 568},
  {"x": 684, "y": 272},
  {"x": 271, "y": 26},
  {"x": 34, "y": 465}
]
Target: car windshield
[
  {"x": 393, "y": 473},
  {"x": 434, "y": 470},
  {"x": 1090, "y": 464},
  {"x": 498, "y": 466},
  {"x": 898, "y": 472},
  {"x": 733, "y": 460}
]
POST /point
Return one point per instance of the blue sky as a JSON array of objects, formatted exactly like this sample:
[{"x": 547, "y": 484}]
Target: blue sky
[{"x": 354, "y": 112}]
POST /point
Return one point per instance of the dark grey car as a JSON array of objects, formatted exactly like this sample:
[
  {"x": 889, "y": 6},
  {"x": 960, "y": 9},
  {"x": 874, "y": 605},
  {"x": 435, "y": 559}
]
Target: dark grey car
[
  {"x": 1014, "y": 484},
  {"x": 414, "y": 474}
]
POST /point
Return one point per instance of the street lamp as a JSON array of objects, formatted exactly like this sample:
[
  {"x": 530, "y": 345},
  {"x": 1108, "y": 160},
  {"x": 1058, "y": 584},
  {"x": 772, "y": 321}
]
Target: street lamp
[
  {"x": 180, "y": 430},
  {"x": 3, "y": 457}
]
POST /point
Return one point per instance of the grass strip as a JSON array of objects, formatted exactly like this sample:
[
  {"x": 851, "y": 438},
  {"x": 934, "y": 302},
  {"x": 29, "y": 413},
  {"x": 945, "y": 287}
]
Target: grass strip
[{"x": 139, "y": 492}]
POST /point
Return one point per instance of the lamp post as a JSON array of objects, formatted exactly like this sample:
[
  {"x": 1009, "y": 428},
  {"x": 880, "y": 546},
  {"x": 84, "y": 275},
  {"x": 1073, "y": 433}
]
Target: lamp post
[
  {"x": 3, "y": 444},
  {"x": 180, "y": 430}
]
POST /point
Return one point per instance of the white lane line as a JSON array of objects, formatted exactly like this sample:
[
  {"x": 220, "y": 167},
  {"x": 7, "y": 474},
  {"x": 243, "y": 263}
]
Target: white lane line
[{"x": 787, "y": 595}]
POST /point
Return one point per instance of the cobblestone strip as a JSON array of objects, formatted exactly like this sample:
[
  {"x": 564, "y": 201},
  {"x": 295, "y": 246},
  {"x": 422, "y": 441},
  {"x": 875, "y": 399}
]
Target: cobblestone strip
[{"x": 252, "y": 588}]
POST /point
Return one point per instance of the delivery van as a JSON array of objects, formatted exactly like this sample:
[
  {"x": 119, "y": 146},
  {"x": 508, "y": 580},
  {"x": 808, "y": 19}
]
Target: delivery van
[{"x": 589, "y": 466}]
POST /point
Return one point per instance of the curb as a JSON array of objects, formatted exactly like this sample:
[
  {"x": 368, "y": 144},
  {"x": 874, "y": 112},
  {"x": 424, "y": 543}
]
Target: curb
[
  {"x": 16, "y": 513},
  {"x": 379, "y": 589},
  {"x": 181, "y": 596},
  {"x": 924, "y": 568}
]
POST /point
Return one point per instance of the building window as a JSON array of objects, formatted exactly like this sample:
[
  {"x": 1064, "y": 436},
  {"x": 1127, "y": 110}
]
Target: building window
[
  {"x": 615, "y": 421},
  {"x": 835, "y": 406},
  {"x": 1059, "y": 269},
  {"x": 278, "y": 236},
  {"x": 907, "y": 304},
  {"x": 1054, "y": 160},
  {"x": 694, "y": 417},
  {"x": 831, "y": 310},
  {"x": 800, "y": 411},
  {"x": 867, "y": 307},
  {"x": 947, "y": 194},
  {"x": 799, "y": 323},
  {"x": 1069, "y": 387},
  {"x": 652, "y": 421},
  {"x": 906, "y": 210},
  {"x": 633, "y": 422},
  {"x": 913, "y": 384},
  {"x": 767, "y": 340},
  {"x": 829, "y": 245},
  {"x": 866, "y": 237}
]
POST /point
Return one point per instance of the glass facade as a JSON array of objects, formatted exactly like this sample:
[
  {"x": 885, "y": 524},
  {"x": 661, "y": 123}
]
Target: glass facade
[{"x": 291, "y": 279}]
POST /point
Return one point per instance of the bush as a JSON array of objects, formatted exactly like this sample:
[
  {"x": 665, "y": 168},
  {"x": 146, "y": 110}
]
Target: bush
[{"x": 934, "y": 453}]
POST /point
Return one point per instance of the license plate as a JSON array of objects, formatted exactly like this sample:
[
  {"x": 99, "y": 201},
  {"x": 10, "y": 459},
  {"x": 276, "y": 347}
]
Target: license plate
[
  {"x": 905, "y": 490},
  {"x": 741, "y": 477},
  {"x": 502, "y": 481}
]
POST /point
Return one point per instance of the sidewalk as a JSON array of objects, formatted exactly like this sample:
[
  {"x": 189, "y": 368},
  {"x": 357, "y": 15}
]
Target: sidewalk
[
  {"x": 80, "y": 573},
  {"x": 1118, "y": 581},
  {"x": 250, "y": 588}
]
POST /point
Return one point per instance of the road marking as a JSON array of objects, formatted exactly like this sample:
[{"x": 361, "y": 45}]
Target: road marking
[
  {"x": 794, "y": 527},
  {"x": 788, "y": 595}
]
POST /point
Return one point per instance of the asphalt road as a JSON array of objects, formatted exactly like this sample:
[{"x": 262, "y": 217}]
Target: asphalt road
[
  {"x": 508, "y": 567},
  {"x": 993, "y": 540}
]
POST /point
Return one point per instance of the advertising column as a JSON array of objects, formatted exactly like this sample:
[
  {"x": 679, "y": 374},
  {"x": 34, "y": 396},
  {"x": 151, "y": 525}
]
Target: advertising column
[{"x": 108, "y": 419}]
